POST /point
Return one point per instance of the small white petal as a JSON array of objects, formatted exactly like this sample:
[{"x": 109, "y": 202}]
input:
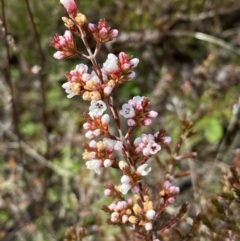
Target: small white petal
[
  {"x": 142, "y": 169},
  {"x": 125, "y": 188}
]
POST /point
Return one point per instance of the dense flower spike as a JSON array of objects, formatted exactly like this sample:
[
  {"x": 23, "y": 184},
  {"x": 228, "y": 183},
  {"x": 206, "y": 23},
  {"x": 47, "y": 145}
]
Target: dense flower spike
[{"x": 103, "y": 151}]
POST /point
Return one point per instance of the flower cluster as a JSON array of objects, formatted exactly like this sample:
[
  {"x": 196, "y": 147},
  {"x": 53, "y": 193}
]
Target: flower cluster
[
  {"x": 169, "y": 192},
  {"x": 98, "y": 155},
  {"x": 95, "y": 87},
  {"x": 131, "y": 177},
  {"x": 64, "y": 44},
  {"x": 128, "y": 212},
  {"x": 120, "y": 68},
  {"x": 137, "y": 113},
  {"x": 102, "y": 32}
]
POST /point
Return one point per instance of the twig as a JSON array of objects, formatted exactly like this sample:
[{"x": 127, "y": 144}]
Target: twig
[
  {"x": 205, "y": 37},
  {"x": 41, "y": 77},
  {"x": 10, "y": 84},
  {"x": 31, "y": 152}
]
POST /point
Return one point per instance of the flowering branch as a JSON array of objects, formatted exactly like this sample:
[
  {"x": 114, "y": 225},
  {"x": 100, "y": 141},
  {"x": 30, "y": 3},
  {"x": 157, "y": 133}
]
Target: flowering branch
[{"x": 140, "y": 212}]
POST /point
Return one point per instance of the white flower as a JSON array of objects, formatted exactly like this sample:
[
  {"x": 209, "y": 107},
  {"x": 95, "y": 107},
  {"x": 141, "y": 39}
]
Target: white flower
[
  {"x": 127, "y": 111},
  {"x": 68, "y": 89},
  {"x": 95, "y": 165},
  {"x": 125, "y": 179},
  {"x": 97, "y": 108},
  {"x": 131, "y": 75},
  {"x": 148, "y": 226},
  {"x": 111, "y": 64},
  {"x": 137, "y": 141},
  {"x": 118, "y": 146},
  {"x": 150, "y": 214},
  {"x": 152, "y": 114},
  {"x": 151, "y": 148},
  {"x": 124, "y": 188},
  {"x": 93, "y": 144},
  {"x": 167, "y": 139},
  {"x": 105, "y": 119},
  {"x": 137, "y": 100},
  {"x": 107, "y": 163},
  {"x": 94, "y": 78},
  {"x": 113, "y": 144},
  {"x": 97, "y": 132},
  {"x": 134, "y": 62},
  {"x": 121, "y": 205},
  {"x": 89, "y": 134},
  {"x": 142, "y": 169},
  {"x": 109, "y": 143}
]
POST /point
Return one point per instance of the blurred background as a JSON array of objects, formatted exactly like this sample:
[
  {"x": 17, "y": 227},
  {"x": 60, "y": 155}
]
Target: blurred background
[{"x": 189, "y": 55}]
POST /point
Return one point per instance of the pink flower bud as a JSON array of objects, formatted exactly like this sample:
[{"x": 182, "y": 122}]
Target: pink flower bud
[
  {"x": 112, "y": 206},
  {"x": 121, "y": 205},
  {"x": 124, "y": 218},
  {"x": 130, "y": 202},
  {"x": 59, "y": 55},
  {"x": 97, "y": 132},
  {"x": 114, "y": 33},
  {"x": 174, "y": 190},
  {"x": 92, "y": 144},
  {"x": 103, "y": 31},
  {"x": 69, "y": 5},
  {"x": 135, "y": 189},
  {"x": 89, "y": 134},
  {"x": 92, "y": 27},
  {"x": 114, "y": 220},
  {"x": 131, "y": 122},
  {"x": 107, "y": 163},
  {"x": 86, "y": 126},
  {"x": 171, "y": 200},
  {"x": 152, "y": 114},
  {"x": 107, "y": 192},
  {"x": 166, "y": 184},
  {"x": 147, "y": 122},
  {"x": 107, "y": 90}
]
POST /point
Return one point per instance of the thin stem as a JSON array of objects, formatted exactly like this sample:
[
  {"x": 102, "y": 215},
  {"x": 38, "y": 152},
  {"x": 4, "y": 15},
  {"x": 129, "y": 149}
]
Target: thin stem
[
  {"x": 41, "y": 77},
  {"x": 10, "y": 83},
  {"x": 91, "y": 55}
]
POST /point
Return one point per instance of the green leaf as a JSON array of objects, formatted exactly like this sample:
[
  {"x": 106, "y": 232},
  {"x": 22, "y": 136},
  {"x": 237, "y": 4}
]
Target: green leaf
[{"x": 213, "y": 131}]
